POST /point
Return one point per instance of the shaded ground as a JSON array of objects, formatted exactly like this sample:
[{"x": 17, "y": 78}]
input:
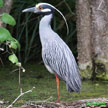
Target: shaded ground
[{"x": 36, "y": 75}]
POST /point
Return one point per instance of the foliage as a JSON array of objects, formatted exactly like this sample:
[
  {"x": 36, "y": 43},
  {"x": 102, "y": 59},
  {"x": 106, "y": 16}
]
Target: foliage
[
  {"x": 8, "y": 19},
  {"x": 26, "y": 29},
  {"x": 1, "y": 3},
  {"x": 13, "y": 58},
  {"x": 5, "y": 36}
]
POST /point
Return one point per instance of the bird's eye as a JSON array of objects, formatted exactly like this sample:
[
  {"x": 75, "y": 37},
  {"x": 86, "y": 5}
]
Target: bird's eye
[{"x": 40, "y": 8}]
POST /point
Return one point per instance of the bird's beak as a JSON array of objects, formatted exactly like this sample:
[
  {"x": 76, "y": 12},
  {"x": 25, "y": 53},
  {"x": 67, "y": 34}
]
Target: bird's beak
[{"x": 33, "y": 9}]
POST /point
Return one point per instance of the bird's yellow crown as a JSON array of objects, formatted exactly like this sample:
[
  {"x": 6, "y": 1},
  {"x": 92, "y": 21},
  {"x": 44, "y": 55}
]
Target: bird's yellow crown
[{"x": 37, "y": 5}]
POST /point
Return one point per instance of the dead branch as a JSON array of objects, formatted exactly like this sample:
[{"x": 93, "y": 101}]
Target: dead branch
[{"x": 21, "y": 94}]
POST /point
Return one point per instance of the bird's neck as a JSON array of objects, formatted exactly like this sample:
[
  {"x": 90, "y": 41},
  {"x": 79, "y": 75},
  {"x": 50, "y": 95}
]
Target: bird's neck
[
  {"x": 45, "y": 30},
  {"x": 45, "y": 21}
]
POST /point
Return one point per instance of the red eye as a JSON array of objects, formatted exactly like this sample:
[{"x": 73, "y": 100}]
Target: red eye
[{"x": 40, "y": 8}]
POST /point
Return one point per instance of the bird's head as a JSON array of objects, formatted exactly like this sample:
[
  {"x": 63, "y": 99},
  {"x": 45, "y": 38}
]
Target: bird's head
[
  {"x": 45, "y": 9},
  {"x": 41, "y": 8}
]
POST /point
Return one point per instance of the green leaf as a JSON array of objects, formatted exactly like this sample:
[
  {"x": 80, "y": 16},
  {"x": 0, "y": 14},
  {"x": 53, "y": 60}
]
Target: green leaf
[
  {"x": 17, "y": 43},
  {"x": 13, "y": 58},
  {"x": 8, "y": 19},
  {"x": 13, "y": 45},
  {"x": 5, "y": 35},
  {"x": 1, "y": 3}
]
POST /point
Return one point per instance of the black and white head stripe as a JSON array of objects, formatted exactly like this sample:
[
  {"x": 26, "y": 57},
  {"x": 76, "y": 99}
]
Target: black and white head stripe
[{"x": 45, "y": 7}]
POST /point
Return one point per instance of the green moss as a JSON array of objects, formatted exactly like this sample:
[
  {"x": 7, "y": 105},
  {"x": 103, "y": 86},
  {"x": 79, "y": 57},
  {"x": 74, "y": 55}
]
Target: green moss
[
  {"x": 38, "y": 76},
  {"x": 86, "y": 70},
  {"x": 101, "y": 69},
  {"x": 86, "y": 73}
]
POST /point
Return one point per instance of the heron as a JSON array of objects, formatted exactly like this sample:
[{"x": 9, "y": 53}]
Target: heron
[{"x": 56, "y": 54}]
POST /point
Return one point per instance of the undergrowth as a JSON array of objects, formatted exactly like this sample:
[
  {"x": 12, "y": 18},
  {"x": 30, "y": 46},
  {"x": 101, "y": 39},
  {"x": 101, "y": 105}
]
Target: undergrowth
[{"x": 45, "y": 83}]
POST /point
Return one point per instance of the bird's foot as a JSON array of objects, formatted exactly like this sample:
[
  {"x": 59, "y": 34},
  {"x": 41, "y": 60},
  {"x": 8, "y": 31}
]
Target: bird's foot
[{"x": 57, "y": 101}]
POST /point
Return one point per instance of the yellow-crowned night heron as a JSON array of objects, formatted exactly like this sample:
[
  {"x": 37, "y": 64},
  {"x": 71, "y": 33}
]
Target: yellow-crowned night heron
[{"x": 56, "y": 55}]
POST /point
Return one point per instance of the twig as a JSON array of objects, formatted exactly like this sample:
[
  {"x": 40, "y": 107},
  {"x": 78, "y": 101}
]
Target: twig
[
  {"x": 7, "y": 45},
  {"x": 14, "y": 71},
  {"x": 69, "y": 7},
  {"x": 43, "y": 101},
  {"x": 60, "y": 3},
  {"x": 1, "y": 49},
  {"x": 21, "y": 94},
  {"x": 20, "y": 79}
]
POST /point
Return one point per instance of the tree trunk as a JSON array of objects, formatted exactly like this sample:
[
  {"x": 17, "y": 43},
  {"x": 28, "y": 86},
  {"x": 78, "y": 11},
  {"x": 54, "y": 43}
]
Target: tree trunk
[
  {"x": 92, "y": 24},
  {"x": 84, "y": 37},
  {"x": 6, "y": 9}
]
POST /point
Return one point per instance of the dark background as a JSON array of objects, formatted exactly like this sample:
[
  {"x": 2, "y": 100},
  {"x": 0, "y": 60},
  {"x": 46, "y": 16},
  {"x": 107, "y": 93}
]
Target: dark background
[{"x": 26, "y": 30}]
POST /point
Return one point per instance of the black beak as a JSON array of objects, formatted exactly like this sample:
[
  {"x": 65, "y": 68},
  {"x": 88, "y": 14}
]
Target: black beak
[{"x": 33, "y": 9}]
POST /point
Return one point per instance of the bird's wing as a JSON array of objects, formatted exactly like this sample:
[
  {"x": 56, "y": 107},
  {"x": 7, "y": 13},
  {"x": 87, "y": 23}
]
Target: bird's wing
[{"x": 60, "y": 59}]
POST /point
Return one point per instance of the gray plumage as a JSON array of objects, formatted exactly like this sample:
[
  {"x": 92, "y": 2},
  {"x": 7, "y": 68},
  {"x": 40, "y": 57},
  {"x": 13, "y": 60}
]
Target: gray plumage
[{"x": 57, "y": 56}]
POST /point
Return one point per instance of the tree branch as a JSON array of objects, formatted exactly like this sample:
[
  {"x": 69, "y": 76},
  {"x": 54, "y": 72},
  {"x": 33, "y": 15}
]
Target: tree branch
[{"x": 21, "y": 94}]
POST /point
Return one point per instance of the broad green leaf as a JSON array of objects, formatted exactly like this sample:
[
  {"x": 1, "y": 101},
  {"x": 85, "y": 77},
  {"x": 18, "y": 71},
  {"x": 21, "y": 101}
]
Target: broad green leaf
[
  {"x": 13, "y": 58},
  {"x": 8, "y": 19},
  {"x": 1, "y": 3},
  {"x": 4, "y": 35}
]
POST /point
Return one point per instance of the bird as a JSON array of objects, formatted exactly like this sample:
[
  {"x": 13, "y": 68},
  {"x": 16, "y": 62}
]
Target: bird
[{"x": 56, "y": 55}]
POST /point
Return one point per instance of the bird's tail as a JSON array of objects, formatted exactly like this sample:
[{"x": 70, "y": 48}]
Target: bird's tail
[{"x": 74, "y": 84}]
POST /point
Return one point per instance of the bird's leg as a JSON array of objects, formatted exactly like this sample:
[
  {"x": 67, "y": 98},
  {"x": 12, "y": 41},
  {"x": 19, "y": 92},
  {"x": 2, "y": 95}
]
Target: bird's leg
[{"x": 57, "y": 82}]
